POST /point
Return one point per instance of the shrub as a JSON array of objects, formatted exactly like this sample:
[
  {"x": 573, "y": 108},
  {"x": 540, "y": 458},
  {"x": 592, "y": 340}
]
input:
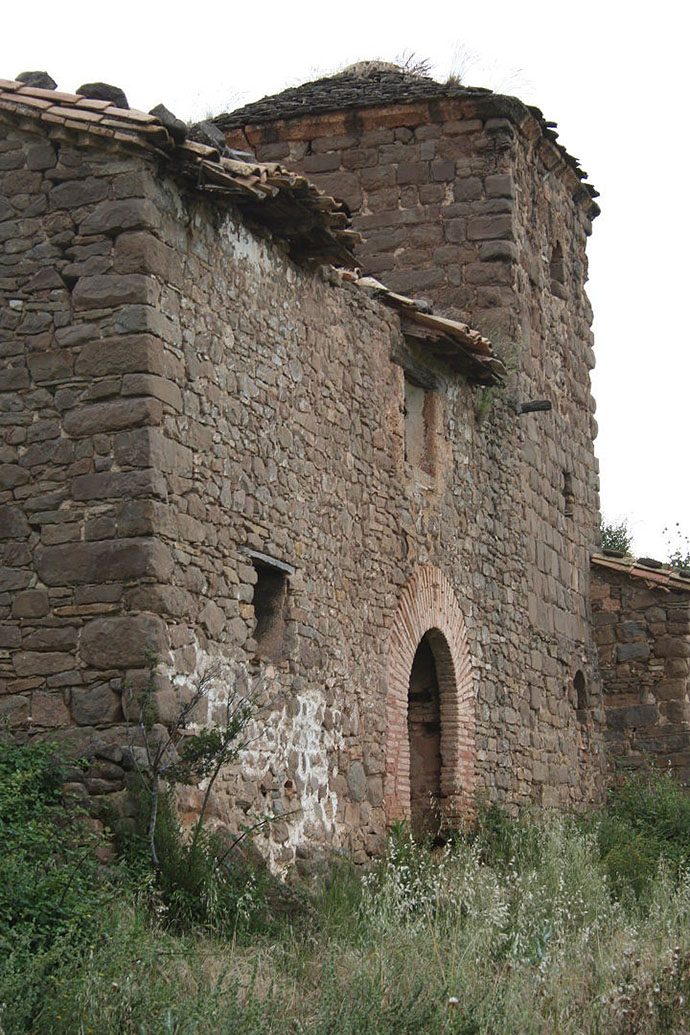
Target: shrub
[
  {"x": 48, "y": 883},
  {"x": 647, "y": 818},
  {"x": 616, "y": 536},
  {"x": 54, "y": 898}
]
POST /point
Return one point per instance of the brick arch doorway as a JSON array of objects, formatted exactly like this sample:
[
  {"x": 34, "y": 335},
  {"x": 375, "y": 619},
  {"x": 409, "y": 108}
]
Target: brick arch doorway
[{"x": 429, "y": 705}]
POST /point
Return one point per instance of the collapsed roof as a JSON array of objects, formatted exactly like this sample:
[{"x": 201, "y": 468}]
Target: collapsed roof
[{"x": 312, "y": 224}]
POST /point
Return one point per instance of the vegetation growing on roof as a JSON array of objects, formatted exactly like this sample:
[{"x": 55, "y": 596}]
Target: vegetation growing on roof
[
  {"x": 678, "y": 547},
  {"x": 616, "y": 536}
]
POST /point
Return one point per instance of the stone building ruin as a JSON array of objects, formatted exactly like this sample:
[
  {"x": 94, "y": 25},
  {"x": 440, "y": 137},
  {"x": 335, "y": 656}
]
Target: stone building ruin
[{"x": 236, "y": 431}]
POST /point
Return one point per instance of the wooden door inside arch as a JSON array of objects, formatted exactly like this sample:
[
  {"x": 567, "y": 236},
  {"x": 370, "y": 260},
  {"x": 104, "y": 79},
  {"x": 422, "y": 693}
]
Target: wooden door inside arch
[{"x": 429, "y": 706}]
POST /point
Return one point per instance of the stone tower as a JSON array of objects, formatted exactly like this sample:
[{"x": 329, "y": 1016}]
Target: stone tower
[{"x": 465, "y": 197}]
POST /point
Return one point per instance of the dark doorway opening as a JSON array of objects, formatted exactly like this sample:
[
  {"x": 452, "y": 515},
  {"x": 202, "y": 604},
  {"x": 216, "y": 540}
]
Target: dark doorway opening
[{"x": 424, "y": 732}]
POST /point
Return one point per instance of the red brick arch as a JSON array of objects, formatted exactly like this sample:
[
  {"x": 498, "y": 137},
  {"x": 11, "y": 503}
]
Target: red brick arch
[{"x": 428, "y": 605}]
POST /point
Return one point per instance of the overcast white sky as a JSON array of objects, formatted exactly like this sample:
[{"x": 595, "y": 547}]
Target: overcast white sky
[{"x": 613, "y": 75}]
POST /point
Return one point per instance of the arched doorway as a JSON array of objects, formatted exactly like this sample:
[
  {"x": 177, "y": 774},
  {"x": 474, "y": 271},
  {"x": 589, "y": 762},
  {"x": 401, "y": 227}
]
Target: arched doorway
[
  {"x": 430, "y": 751},
  {"x": 424, "y": 734}
]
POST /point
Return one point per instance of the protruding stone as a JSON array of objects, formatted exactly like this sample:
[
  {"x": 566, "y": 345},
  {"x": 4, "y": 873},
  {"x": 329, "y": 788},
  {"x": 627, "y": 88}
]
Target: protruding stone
[
  {"x": 39, "y": 80},
  {"x": 175, "y": 127},
  {"x": 104, "y": 92},
  {"x": 209, "y": 134}
]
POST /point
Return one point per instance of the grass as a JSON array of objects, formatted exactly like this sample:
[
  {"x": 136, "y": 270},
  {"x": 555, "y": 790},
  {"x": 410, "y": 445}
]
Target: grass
[{"x": 535, "y": 925}]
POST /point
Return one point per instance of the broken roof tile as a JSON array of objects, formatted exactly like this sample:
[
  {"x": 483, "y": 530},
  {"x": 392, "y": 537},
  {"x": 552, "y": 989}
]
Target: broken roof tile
[
  {"x": 269, "y": 194},
  {"x": 665, "y": 578}
]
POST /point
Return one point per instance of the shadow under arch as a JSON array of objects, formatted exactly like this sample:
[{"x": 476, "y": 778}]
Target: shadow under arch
[{"x": 428, "y": 610}]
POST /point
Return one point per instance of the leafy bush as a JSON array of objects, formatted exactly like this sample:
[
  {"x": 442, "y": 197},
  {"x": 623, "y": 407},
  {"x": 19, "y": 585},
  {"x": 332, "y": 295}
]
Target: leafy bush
[
  {"x": 53, "y": 896},
  {"x": 647, "y": 819},
  {"x": 616, "y": 536},
  {"x": 48, "y": 884}
]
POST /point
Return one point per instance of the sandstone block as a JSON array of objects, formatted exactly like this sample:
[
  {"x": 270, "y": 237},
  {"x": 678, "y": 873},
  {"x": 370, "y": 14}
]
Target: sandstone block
[
  {"x": 14, "y": 378},
  {"x": 119, "y": 485},
  {"x": 95, "y": 705},
  {"x": 327, "y": 161},
  {"x": 41, "y": 663},
  {"x": 499, "y": 185},
  {"x": 212, "y": 618},
  {"x": 12, "y": 475},
  {"x": 123, "y": 642},
  {"x": 60, "y": 638},
  {"x": 112, "y": 289},
  {"x": 412, "y": 172},
  {"x": 357, "y": 781},
  {"x": 122, "y": 355},
  {"x": 672, "y": 647},
  {"x": 481, "y": 228},
  {"x": 69, "y": 564},
  {"x": 13, "y": 524},
  {"x": 141, "y": 252},
  {"x": 74, "y": 193},
  {"x": 146, "y": 447},
  {"x": 48, "y": 710},
  {"x": 50, "y": 366},
  {"x": 343, "y": 186},
  {"x": 125, "y": 214},
  {"x": 171, "y": 600},
  {"x": 158, "y": 387},
  {"x": 112, "y": 416},
  {"x": 499, "y": 251},
  {"x": 14, "y": 710}
]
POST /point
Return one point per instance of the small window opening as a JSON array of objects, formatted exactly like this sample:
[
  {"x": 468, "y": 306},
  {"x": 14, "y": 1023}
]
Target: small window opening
[
  {"x": 580, "y": 687},
  {"x": 270, "y": 607},
  {"x": 568, "y": 494},
  {"x": 422, "y": 422},
  {"x": 557, "y": 268}
]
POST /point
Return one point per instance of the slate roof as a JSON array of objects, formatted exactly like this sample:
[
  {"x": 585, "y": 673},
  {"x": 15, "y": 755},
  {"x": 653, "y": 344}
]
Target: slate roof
[
  {"x": 313, "y": 224},
  {"x": 657, "y": 576},
  {"x": 381, "y": 87}
]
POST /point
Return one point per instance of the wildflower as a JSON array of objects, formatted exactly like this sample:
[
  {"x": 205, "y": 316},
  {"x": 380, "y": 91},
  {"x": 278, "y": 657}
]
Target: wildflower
[{"x": 453, "y": 1001}]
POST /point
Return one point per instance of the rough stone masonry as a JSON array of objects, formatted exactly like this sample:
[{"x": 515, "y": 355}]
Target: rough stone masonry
[{"x": 220, "y": 449}]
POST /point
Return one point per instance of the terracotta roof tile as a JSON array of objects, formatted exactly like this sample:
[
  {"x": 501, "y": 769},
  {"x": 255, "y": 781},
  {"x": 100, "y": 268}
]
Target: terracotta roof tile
[
  {"x": 314, "y": 225},
  {"x": 665, "y": 578},
  {"x": 457, "y": 344}
]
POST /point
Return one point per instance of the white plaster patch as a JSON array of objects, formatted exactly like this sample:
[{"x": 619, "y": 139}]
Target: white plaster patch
[
  {"x": 245, "y": 245},
  {"x": 296, "y": 730}
]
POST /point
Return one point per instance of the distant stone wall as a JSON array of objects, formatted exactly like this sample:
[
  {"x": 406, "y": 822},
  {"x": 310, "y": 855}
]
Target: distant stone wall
[{"x": 643, "y": 637}]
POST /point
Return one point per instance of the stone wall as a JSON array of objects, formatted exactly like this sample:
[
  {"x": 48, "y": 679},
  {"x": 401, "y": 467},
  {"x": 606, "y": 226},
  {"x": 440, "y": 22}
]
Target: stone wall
[
  {"x": 177, "y": 392},
  {"x": 84, "y": 377},
  {"x": 643, "y": 637},
  {"x": 464, "y": 203}
]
